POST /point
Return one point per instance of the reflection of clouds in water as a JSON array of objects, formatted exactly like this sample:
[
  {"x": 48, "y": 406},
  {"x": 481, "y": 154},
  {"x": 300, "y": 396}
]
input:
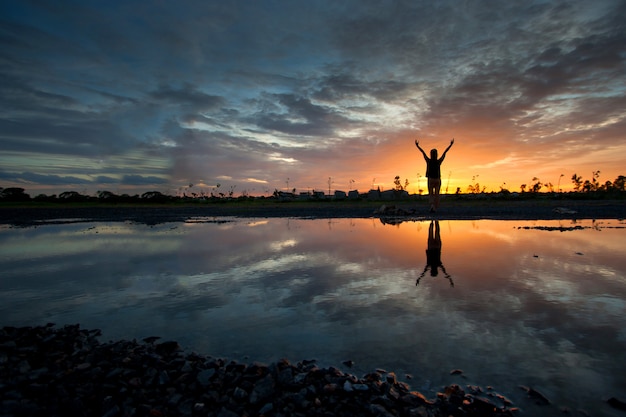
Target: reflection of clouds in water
[
  {"x": 300, "y": 288},
  {"x": 508, "y": 236},
  {"x": 278, "y": 246}
]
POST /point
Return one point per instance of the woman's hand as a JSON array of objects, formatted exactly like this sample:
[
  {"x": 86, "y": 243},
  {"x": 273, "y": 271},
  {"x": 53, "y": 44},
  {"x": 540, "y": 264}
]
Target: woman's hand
[
  {"x": 417, "y": 143},
  {"x": 452, "y": 142}
]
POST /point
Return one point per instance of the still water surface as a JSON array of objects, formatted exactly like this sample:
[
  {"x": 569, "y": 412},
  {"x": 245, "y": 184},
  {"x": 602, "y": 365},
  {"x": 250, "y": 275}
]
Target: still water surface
[{"x": 540, "y": 304}]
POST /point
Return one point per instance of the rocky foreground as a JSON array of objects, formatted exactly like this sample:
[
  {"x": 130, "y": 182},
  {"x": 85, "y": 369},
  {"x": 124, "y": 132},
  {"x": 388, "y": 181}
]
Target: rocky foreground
[{"x": 49, "y": 371}]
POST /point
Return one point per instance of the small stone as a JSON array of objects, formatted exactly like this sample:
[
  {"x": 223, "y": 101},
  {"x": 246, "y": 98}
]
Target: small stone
[
  {"x": 504, "y": 399},
  {"x": 456, "y": 372},
  {"x": 347, "y": 386},
  {"x": 240, "y": 394},
  {"x": 262, "y": 390},
  {"x": 174, "y": 399},
  {"x": 164, "y": 378},
  {"x": 114, "y": 373},
  {"x": 167, "y": 348},
  {"x": 483, "y": 406},
  {"x": 330, "y": 387},
  {"x": 416, "y": 398},
  {"x": 360, "y": 387},
  {"x": 151, "y": 339},
  {"x": 112, "y": 412},
  {"x": 266, "y": 408},
  {"x": 285, "y": 376},
  {"x": 349, "y": 363},
  {"x": 24, "y": 366},
  {"x": 379, "y": 410},
  {"x": 539, "y": 398},
  {"x": 204, "y": 377},
  {"x": 135, "y": 382},
  {"x": 225, "y": 412}
]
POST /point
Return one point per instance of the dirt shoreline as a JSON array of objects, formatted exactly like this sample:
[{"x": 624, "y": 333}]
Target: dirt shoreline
[{"x": 536, "y": 209}]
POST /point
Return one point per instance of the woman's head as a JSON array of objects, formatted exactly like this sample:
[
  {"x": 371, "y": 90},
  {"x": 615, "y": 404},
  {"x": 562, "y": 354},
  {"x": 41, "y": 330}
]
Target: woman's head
[{"x": 433, "y": 153}]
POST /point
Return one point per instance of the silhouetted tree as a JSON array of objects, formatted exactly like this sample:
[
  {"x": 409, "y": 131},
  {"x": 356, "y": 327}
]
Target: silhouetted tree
[
  {"x": 397, "y": 183},
  {"x": 72, "y": 197},
  {"x": 13, "y": 194},
  {"x": 536, "y": 186},
  {"x": 154, "y": 196},
  {"x": 106, "y": 195},
  {"x": 475, "y": 188},
  {"x": 578, "y": 182},
  {"x": 46, "y": 198},
  {"x": 594, "y": 180}
]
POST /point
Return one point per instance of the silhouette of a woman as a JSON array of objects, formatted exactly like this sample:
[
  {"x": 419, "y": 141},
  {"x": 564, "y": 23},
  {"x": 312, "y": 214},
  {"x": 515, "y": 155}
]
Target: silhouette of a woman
[
  {"x": 433, "y": 254},
  {"x": 433, "y": 173}
]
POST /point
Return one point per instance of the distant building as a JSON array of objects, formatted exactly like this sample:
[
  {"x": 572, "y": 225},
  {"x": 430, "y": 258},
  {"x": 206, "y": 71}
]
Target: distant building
[
  {"x": 353, "y": 194},
  {"x": 373, "y": 195},
  {"x": 387, "y": 195},
  {"x": 340, "y": 195},
  {"x": 284, "y": 196}
]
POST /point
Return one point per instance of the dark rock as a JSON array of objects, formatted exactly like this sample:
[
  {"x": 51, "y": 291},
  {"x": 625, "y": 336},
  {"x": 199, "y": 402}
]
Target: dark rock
[
  {"x": 204, "y": 377},
  {"x": 167, "y": 348},
  {"x": 616, "y": 403},
  {"x": 538, "y": 397},
  {"x": 263, "y": 389}
]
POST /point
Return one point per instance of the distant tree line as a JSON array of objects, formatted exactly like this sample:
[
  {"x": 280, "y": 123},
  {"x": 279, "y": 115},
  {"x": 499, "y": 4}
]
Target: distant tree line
[
  {"x": 17, "y": 194},
  {"x": 581, "y": 186}
]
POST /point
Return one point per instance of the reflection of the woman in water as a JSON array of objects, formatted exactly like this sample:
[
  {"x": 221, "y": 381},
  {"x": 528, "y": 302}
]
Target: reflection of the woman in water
[{"x": 433, "y": 254}]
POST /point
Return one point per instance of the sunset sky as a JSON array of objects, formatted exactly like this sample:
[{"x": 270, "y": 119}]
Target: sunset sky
[{"x": 132, "y": 96}]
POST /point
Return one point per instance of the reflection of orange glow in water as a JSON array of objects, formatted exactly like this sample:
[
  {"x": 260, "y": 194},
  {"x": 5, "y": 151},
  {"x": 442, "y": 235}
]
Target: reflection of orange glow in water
[
  {"x": 481, "y": 253},
  {"x": 486, "y": 250}
]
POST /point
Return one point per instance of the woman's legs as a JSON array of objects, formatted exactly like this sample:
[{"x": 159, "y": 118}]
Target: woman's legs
[
  {"x": 434, "y": 186},
  {"x": 437, "y": 190}
]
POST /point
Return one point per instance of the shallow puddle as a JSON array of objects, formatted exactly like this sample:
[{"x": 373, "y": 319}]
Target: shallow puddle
[{"x": 509, "y": 303}]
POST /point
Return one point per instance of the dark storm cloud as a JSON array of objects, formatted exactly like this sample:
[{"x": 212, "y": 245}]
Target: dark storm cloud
[
  {"x": 211, "y": 88},
  {"x": 600, "y": 58},
  {"x": 295, "y": 115},
  {"x": 187, "y": 95},
  {"x": 50, "y": 179},
  {"x": 342, "y": 83},
  {"x": 32, "y": 177},
  {"x": 142, "y": 180}
]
